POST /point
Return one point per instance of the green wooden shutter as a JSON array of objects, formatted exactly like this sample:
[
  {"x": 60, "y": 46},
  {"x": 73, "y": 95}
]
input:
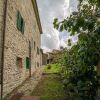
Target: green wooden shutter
[
  {"x": 27, "y": 63},
  {"x": 19, "y": 21},
  {"x": 37, "y": 50},
  {"x": 23, "y": 25}
]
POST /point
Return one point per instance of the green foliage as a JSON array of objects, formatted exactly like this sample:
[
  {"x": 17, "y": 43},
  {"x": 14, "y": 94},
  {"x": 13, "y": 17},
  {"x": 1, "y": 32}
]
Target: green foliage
[
  {"x": 53, "y": 68},
  {"x": 49, "y": 67},
  {"x": 50, "y": 88},
  {"x": 81, "y": 61},
  {"x": 69, "y": 42},
  {"x": 80, "y": 72}
]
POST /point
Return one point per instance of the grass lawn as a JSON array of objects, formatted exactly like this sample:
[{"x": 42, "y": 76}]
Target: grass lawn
[
  {"x": 50, "y": 88},
  {"x": 55, "y": 68}
]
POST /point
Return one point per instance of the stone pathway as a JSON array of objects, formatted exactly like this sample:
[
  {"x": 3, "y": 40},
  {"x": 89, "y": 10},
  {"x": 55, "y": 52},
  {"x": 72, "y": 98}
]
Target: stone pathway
[{"x": 27, "y": 88}]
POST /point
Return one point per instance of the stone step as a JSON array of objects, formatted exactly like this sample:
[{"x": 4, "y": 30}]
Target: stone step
[
  {"x": 30, "y": 98},
  {"x": 19, "y": 96},
  {"x": 16, "y": 96}
]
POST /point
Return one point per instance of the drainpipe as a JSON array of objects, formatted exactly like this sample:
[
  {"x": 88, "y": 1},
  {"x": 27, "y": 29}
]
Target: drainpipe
[
  {"x": 30, "y": 58},
  {"x": 3, "y": 44}
]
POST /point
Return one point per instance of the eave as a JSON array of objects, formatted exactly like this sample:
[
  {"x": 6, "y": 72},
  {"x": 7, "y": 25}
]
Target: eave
[{"x": 37, "y": 15}]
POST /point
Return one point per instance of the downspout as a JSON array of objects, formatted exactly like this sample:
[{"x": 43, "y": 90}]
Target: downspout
[
  {"x": 30, "y": 58},
  {"x": 3, "y": 44}
]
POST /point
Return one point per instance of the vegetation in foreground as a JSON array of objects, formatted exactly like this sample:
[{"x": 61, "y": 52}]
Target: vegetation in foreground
[{"x": 82, "y": 60}]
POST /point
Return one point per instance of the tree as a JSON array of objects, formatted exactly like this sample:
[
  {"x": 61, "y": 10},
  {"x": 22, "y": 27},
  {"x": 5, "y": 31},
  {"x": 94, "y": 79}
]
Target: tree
[{"x": 85, "y": 56}]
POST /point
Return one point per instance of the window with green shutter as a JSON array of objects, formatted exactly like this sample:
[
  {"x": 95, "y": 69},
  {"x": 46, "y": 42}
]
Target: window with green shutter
[
  {"x": 37, "y": 64},
  {"x": 37, "y": 50},
  {"x": 34, "y": 45},
  {"x": 27, "y": 63},
  {"x": 20, "y": 22}
]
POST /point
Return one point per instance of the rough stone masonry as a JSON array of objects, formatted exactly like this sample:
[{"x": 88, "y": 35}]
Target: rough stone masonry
[{"x": 19, "y": 46}]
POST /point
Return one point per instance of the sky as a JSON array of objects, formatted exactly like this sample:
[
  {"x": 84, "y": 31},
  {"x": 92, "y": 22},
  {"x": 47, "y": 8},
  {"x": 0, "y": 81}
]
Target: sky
[{"x": 48, "y": 10}]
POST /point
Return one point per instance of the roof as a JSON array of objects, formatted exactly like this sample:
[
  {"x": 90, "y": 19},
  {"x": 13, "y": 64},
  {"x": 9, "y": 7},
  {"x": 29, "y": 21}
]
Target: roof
[{"x": 37, "y": 15}]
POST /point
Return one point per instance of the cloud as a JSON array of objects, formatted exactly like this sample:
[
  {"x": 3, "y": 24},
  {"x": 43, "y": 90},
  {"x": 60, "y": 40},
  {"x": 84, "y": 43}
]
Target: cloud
[
  {"x": 73, "y": 5},
  {"x": 62, "y": 43},
  {"x": 48, "y": 10},
  {"x": 50, "y": 41}
]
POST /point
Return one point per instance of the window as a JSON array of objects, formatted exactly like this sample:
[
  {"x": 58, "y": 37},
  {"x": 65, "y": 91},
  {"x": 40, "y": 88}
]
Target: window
[
  {"x": 19, "y": 62},
  {"x": 37, "y": 50},
  {"x": 27, "y": 63},
  {"x": 32, "y": 42},
  {"x": 34, "y": 45},
  {"x": 37, "y": 64},
  {"x": 20, "y": 22}
]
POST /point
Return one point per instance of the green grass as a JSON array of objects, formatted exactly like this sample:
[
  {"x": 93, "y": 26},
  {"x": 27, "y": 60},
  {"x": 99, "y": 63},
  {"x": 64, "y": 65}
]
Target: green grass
[
  {"x": 55, "y": 68},
  {"x": 50, "y": 88}
]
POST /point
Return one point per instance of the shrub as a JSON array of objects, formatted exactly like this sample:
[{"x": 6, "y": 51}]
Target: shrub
[
  {"x": 49, "y": 66},
  {"x": 82, "y": 59}
]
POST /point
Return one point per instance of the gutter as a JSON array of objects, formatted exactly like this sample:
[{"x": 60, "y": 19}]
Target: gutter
[
  {"x": 35, "y": 7},
  {"x": 3, "y": 44}
]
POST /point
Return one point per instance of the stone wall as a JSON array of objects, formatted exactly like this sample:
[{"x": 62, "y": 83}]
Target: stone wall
[
  {"x": 44, "y": 59},
  {"x": 55, "y": 56},
  {"x": 41, "y": 55},
  {"x": 17, "y": 44}
]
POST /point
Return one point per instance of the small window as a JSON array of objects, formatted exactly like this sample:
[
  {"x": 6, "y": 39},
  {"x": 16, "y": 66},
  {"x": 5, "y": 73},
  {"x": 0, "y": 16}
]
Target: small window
[
  {"x": 37, "y": 64},
  {"x": 38, "y": 50},
  {"x": 19, "y": 62},
  {"x": 34, "y": 45},
  {"x": 32, "y": 42},
  {"x": 27, "y": 63},
  {"x": 20, "y": 22}
]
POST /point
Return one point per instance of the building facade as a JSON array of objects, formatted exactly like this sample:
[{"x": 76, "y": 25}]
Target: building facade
[
  {"x": 22, "y": 42},
  {"x": 55, "y": 56},
  {"x": 44, "y": 58}
]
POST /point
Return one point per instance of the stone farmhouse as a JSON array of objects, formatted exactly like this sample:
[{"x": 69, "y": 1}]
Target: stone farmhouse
[
  {"x": 20, "y": 41},
  {"x": 55, "y": 56},
  {"x": 44, "y": 58}
]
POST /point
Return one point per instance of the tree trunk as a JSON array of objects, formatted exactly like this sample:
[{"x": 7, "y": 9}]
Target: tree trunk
[{"x": 98, "y": 68}]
